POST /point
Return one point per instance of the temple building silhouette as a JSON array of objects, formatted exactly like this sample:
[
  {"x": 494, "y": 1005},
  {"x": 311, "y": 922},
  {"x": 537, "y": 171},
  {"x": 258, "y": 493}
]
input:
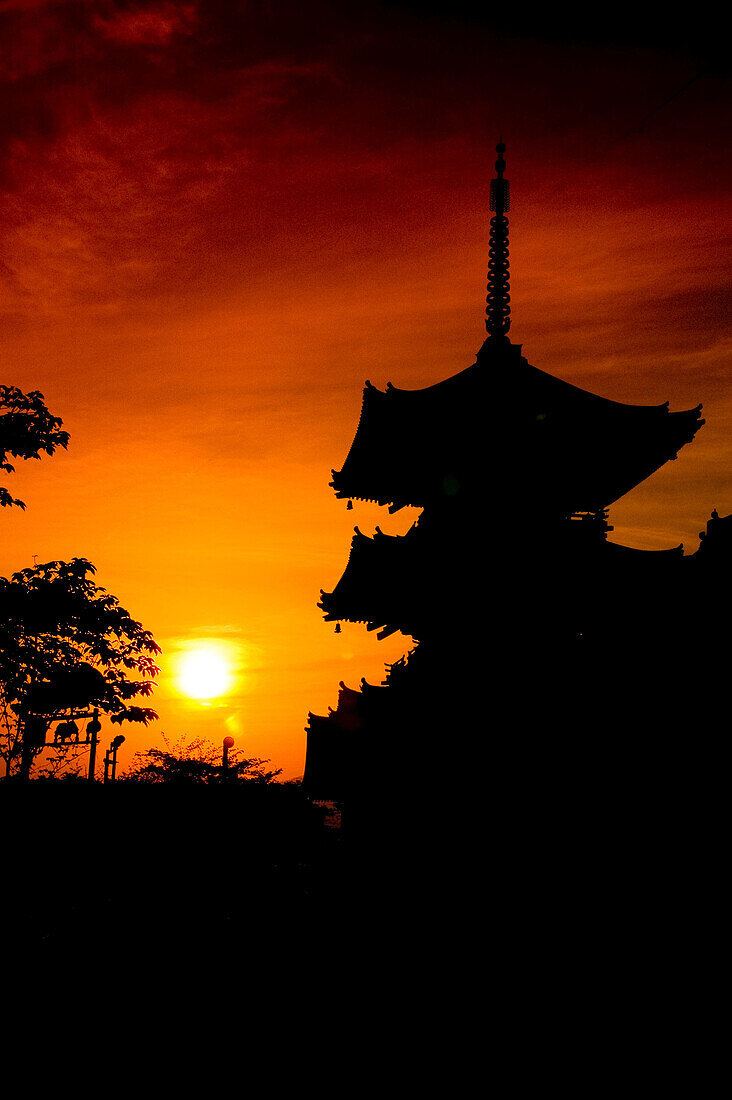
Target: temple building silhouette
[{"x": 531, "y": 635}]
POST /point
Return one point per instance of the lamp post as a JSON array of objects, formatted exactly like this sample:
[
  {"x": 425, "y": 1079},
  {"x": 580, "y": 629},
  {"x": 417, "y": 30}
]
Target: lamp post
[
  {"x": 92, "y": 730},
  {"x": 228, "y": 742},
  {"x": 110, "y": 759}
]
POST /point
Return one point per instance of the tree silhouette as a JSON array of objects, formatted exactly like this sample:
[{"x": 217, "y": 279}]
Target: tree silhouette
[
  {"x": 27, "y": 429},
  {"x": 198, "y": 762},
  {"x": 66, "y": 645}
]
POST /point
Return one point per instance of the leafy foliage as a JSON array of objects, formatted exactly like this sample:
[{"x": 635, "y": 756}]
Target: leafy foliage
[
  {"x": 66, "y": 644},
  {"x": 183, "y": 764},
  {"x": 27, "y": 429}
]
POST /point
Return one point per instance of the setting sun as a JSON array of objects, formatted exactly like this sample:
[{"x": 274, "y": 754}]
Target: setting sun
[{"x": 205, "y": 671}]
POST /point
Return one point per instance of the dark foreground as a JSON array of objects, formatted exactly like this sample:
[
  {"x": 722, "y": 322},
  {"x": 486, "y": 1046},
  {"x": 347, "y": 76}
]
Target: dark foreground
[
  {"x": 573, "y": 923},
  {"x": 153, "y": 871},
  {"x": 571, "y": 883}
]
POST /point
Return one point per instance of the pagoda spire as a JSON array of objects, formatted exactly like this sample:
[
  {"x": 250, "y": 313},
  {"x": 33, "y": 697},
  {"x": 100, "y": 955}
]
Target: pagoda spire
[{"x": 498, "y": 310}]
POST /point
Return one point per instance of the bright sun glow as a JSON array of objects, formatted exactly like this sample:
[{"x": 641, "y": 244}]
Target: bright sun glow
[{"x": 205, "y": 671}]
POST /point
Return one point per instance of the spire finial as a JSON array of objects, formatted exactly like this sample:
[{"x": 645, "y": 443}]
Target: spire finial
[{"x": 498, "y": 310}]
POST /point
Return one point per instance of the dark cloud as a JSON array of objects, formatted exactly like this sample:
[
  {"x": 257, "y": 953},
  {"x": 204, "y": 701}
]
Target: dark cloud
[{"x": 180, "y": 137}]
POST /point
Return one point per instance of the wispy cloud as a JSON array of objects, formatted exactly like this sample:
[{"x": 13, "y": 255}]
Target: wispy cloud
[{"x": 149, "y": 25}]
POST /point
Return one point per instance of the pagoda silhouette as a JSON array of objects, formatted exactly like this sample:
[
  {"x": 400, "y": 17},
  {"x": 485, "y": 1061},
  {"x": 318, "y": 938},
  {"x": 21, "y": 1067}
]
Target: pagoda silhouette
[{"x": 543, "y": 657}]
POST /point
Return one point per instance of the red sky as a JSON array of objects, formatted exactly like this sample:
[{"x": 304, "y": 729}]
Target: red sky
[{"x": 220, "y": 218}]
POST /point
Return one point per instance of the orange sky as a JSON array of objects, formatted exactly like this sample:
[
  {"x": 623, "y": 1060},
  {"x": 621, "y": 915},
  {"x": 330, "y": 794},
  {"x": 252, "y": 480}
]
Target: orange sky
[{"x": 219, "y": 219}]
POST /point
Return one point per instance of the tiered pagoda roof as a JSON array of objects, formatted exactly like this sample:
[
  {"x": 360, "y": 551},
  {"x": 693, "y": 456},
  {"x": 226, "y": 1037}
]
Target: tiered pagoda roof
[
  {"x": 334, "y": 739},
  {"x": 502, "y": 429},
  {"x": 378, "y": 583},
  {"x": 399, "y": 581}
]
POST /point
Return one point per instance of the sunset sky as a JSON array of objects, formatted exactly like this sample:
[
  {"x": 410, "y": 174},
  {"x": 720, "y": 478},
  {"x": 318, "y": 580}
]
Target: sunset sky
[{"x": 220, "y": 218}]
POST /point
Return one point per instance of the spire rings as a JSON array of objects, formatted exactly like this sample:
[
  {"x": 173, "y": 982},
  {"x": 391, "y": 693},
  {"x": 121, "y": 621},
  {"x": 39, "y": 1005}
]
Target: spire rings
[{"x": 498, "y": 310}]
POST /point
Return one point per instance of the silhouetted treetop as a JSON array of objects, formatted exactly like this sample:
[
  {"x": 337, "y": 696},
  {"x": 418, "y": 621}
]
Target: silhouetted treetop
[
  {"x": 195, "y": 763},
  {"x": 66, "y": 644},
  {"x": 27, "y": 430}
]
